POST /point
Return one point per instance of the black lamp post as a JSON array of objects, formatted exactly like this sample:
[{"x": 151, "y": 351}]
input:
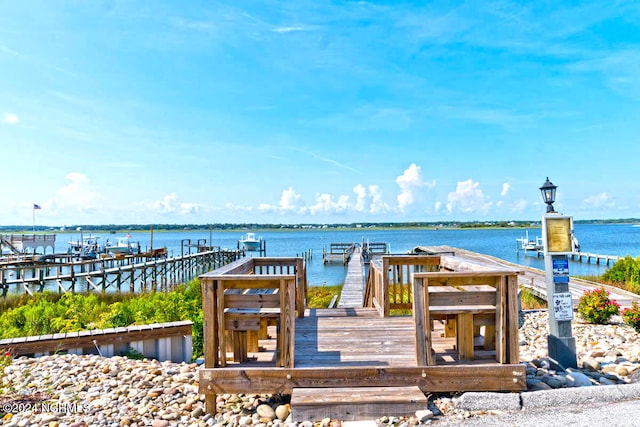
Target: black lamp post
[
  {"x": 556, "y": 232},
  {"x": 548, "y": 191}
]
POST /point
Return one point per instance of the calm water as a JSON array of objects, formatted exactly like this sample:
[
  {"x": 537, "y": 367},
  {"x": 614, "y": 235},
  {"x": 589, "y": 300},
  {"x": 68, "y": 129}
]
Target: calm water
[{"x": 623, "y": 239}]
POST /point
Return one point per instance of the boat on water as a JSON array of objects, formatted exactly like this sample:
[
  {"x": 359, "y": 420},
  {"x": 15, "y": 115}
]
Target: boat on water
[
  {"x": 123, "y": 245},
  {"x": 85, "y": 248},
  {"x": 250, "y": 242},
  {"x": 527, "y": 244}
]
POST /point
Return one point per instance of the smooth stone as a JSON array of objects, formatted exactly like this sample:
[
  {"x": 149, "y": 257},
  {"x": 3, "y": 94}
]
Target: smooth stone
[
  {"x": 424, "y": 415},
  {"x": 590, "y": 363},
  {"x": 283, "y": 411},
  {"x": 266, "y": 411},
  {"x": 578, "y": 379},
  {"x": 540, "y": 385},
  {"x": 198, "y": 412}
]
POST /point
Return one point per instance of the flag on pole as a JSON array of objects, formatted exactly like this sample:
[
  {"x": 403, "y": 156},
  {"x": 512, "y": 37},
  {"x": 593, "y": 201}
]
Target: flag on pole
[{"x": 36, "y": 206}]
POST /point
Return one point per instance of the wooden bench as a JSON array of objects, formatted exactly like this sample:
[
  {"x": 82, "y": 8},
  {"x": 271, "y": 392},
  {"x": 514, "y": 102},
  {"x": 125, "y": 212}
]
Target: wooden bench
[
  {"x": 237, "y": 305},
  {"x": 467, "y": 301}
]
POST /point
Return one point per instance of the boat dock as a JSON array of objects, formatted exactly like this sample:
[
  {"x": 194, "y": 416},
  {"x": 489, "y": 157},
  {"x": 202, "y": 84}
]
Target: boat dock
[
  {"x": 152, "y": 271},
  {"x": 338, "y": 252},
  {"x": 584, "y": 257},
  {"x": 597, "y": 258},
  {"x": 22, "y": 244},
  {"x": 352, "y": 294},
  {"x": 342, "y": 252}
]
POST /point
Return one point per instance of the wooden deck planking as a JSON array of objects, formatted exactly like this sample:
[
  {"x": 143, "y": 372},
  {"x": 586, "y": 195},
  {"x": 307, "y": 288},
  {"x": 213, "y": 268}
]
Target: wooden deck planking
[
  {"x": 326, "y": 338},
  {"x": 356, "y": 348},
  {"x": 352, "y": 295}
]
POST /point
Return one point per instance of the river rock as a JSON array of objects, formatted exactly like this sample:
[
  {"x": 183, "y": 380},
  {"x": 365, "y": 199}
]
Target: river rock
[
  {"x": 578, "y": 379},
  {"x": 266, "y": 411}
]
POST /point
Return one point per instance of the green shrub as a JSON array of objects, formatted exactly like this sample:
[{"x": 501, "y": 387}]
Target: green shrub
[
  {"x": 596, "y": 307},
  {"x": 49, "y": 313},
  {"x": 631, "y": 316},
  {"x": 530, "y": 301},
  {"x": 625, "y": 273}
]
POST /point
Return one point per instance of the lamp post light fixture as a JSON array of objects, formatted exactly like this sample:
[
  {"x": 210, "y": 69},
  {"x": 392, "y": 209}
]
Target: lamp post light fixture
[
  {"x": 548, "y": 191},
  {"x": 557, "y": 232}
]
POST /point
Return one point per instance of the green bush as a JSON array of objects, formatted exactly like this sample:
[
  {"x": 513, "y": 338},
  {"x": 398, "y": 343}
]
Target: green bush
[
  {"x": 625, "y": 273},
  {"x": 49, "y": 313},
  {"x": 631, "y": 316},
  {"x": 596, "y": 307}
]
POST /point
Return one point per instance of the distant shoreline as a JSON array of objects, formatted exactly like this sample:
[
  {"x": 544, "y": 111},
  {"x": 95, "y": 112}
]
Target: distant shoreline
[{"x": 443, "y": 225}]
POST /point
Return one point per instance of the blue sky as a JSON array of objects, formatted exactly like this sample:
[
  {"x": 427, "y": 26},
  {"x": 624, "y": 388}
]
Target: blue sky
[{"x": 316, "y": 112}]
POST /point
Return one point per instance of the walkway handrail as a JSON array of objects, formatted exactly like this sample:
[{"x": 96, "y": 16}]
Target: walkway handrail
[{"x": 389, "y": 280}]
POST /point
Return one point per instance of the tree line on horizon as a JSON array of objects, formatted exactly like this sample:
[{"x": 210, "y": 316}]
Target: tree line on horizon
[{"x": 258, "y": 226}]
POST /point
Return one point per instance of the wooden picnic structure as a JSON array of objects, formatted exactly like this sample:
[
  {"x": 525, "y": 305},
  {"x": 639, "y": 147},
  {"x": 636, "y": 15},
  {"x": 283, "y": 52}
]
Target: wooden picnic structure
[{"x": 422, "y": 327}]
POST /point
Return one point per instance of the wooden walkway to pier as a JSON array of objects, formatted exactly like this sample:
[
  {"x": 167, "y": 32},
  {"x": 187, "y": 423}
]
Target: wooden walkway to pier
[{"x": 352, "y": 294}]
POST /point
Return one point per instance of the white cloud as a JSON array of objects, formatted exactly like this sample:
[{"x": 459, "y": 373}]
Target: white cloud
[
  {"x": 520, "y": 206},
  {"x": 506, "y": 187},
  {"x": 170, "y": 204},
  {"x": 410, "y": 183},
  {"x": 377, "y": 204},
  {"x": 290, "y": 201},
  {"x": 10, "y": 119},
  {"x": 468, "y": 198},
  {"x": 325, "y": 203},
  {"x": 361, "y": 198},
  {"x": 77, "y": 193},
  {"x": 287, "y": 29},
  {"x": 599, "y": 200},
  {"x": 369, "y": 200},
  {"x": 167, "y": 204}
]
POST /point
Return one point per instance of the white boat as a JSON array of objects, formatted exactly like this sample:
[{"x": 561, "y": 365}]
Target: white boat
[
  {"x": 250, "y": 242},
  {"x": 527, "y": 244},
  {"x": 123, "y": 245},
  {"x": 86, "y": 248}
]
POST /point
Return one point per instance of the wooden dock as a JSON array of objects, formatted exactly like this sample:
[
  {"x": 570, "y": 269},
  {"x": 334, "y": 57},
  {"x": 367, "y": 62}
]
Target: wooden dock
[
  {"x": 338, "y": 253},
  {"x": 371, "y": 249},
  {"x": 597, "y": 258},
  {"x": 121, "y": 273},
  {"x": 352, "y": 295},
  {"x": 587, "y": 257}
]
